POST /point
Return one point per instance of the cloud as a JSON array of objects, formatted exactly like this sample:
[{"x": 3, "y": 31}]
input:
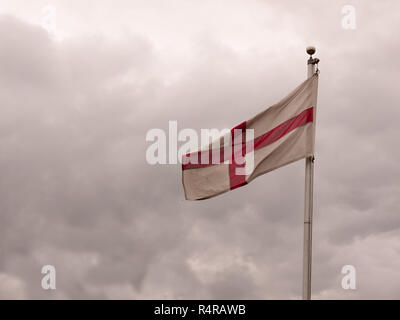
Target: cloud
[
  {"x": 11, "y": 287},
  {"x": 77, "y": 193}
]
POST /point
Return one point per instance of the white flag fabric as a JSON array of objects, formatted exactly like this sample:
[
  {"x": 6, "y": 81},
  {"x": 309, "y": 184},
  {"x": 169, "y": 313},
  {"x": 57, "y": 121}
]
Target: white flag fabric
[{"x": 281, "y": 134}]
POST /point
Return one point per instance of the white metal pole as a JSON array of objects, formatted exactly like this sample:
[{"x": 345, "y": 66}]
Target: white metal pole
[{"x": 308, "y": 204}]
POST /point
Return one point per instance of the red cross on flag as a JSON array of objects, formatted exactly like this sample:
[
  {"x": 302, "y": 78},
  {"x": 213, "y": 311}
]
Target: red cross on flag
[{"x": 281, "y": 134}]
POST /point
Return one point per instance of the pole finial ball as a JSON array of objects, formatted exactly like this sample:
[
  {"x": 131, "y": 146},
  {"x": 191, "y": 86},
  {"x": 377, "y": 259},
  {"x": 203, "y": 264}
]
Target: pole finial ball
[{"x": 310, "y": 50}]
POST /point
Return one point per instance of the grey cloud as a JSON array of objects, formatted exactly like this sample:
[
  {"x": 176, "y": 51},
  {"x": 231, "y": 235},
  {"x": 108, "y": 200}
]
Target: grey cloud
[{"x": 77, "y": 192}]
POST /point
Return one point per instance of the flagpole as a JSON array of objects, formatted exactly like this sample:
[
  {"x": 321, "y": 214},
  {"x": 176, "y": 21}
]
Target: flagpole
[{"x": 308, "y": 201}]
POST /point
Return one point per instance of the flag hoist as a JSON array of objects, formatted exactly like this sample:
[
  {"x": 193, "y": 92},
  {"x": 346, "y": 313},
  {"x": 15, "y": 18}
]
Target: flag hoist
[{"x": 308, "y": 198}]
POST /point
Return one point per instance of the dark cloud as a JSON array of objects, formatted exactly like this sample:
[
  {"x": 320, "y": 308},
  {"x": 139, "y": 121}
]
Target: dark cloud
[{"x": 76, "y": 191}]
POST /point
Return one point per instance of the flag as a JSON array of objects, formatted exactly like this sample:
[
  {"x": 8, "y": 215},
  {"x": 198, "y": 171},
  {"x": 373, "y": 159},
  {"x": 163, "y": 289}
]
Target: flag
[{"x": 281, "y": 134}]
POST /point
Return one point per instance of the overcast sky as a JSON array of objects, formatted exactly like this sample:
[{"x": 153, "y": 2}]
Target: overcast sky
[{"x": 76, "y": 192}]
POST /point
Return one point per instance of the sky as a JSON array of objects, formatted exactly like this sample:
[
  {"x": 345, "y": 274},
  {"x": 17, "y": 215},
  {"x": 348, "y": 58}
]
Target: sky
[{"x": 80, "y": 91}]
